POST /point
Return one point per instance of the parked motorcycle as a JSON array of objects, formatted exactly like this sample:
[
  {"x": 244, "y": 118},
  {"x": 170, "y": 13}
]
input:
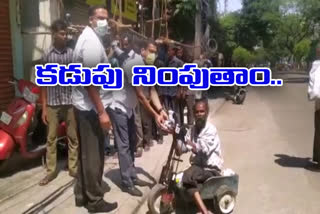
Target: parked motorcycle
[
  {"x": 238, "y": 94},
  {"x": 169, "y": 196},
  {"x": 21, "y": 126}
]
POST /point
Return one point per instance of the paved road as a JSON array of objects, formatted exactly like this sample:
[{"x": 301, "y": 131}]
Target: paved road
[{"x": 268, "y": 141}]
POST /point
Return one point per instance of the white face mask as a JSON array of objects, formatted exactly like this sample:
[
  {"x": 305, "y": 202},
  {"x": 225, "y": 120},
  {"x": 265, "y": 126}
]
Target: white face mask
[{"x": 102, "y": 27}]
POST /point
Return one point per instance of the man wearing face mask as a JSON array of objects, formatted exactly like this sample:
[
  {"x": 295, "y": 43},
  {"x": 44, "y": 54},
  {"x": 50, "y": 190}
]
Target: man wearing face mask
[
  {"x": 206, "y": 159},
  {"x": 121, "y": 112},
  {"x": 90, "y": 103},
  {"x": 143, "y": 119}
]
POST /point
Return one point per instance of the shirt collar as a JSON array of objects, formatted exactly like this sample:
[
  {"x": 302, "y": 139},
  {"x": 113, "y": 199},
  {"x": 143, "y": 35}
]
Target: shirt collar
[
  {"x": 53, "y": 49},
  {"x": 92, "y": 32}
]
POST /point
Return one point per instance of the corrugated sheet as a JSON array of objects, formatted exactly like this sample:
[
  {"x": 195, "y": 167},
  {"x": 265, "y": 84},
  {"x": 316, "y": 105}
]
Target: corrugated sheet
[{"x": 6, "y": 67}]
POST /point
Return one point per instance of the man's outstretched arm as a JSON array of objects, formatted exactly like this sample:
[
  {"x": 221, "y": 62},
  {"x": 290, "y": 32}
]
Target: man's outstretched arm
[
  {"x": 145, "y": 102},
  {"x": 156, "y": 102},
  {"x": 94, "y": 95}
]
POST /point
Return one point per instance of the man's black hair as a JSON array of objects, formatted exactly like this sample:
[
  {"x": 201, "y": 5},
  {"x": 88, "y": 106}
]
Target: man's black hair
[
  {"x": 149, "y": 42},
  {"x": 127, "y": 37},
  {"x": 140, "y": 44},
  {"x": 92, "y": 9},
  {"x": 58, "y": 25}
]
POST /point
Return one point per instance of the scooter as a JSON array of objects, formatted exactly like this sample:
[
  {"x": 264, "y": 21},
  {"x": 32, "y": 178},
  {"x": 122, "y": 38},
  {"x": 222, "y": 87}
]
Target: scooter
[
  {"x": 169, "y": 196},
  {"x": 21, "y": 127}
]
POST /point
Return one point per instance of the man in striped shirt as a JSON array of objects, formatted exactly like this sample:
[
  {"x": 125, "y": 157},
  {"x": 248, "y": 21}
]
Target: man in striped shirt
[{"x": 57, "y": 104}]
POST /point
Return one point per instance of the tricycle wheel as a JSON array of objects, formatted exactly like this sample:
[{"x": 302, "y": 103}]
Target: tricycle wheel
[
  {"x": 154, "y": 199},
  {"x": 225, "y": 200}
]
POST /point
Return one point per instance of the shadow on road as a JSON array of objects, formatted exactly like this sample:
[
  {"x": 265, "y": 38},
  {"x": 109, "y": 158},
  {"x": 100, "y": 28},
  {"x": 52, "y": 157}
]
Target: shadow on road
[
  {"x": 296, "y": 162},
  {"x": 115, "y": 177},
  {"x": 219, "y": 92},
  {"x": 18, "y": 164}
]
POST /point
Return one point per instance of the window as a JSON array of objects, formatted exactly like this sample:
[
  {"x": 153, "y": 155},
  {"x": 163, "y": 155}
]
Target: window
[{"x": 30, "y": 17}]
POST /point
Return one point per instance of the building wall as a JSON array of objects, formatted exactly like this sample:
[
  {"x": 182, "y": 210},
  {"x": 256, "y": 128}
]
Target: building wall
[{"x": 37, "y": 38}]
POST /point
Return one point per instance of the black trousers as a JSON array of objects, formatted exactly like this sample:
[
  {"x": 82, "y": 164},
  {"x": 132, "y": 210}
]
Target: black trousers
[
  {"x": 88, "y": 186},
  {"x": 196, "y": 175},
  {"x": 316, "y": 140}
]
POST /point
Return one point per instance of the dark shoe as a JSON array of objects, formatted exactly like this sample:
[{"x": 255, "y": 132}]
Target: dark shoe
[
  {"x": 138, "y": 153},
  {"x": 140, "y": 183},
  {"x": 102, "y": 207},
  {"x": 313, "y": 167},
  {"x": 80, "y": 203},
  {"x": 134, "y": 191}
]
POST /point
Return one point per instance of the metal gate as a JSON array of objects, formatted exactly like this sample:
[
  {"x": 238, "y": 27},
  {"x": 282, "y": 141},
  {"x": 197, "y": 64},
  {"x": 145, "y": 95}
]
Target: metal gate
[{"x": 6, "y": 66}]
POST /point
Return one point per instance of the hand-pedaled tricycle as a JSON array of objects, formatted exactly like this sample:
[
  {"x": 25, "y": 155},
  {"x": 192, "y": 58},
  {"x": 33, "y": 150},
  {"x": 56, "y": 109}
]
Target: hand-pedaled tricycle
[{"x": 169, "y": 196}]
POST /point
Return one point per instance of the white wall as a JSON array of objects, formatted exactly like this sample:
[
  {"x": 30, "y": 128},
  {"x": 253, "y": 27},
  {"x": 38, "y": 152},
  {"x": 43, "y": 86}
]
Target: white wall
[{"x": 34, "y": 41}]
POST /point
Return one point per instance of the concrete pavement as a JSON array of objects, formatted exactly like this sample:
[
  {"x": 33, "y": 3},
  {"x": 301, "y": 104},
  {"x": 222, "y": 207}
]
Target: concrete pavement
[
  {"x": 20, "y": 192},
  {"x": 267, "y": 141}
]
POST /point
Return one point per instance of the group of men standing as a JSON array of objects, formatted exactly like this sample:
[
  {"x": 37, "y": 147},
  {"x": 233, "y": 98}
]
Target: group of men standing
[
  {"x": 173, "y": 98},
  {"x": 91, "y": 112}
]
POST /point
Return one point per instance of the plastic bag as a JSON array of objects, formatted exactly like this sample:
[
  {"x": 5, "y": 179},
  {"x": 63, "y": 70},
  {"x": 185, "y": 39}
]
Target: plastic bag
[
  {"x": 227, "y": 172},
  {"x": 314, "y": 81},
  {"x": 169, "y": 124}
]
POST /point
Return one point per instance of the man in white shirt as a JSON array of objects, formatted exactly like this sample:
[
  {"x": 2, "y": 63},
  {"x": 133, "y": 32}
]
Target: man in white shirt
[
  {"x": 121, "y": 112},
  {"x": 316, "y": 141},
  {"x": 90, "y": 103},
  {"x": 206, "y": 159}
]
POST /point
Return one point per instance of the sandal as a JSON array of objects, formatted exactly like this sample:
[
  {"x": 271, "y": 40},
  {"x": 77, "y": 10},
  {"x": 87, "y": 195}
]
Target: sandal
[{"x": 46, "y": 180}]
